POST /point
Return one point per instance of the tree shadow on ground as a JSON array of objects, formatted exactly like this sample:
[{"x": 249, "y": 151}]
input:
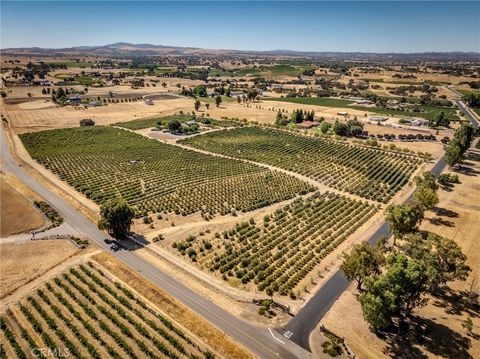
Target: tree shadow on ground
[
  {"x": 467, "y": 171},
  {"x": 457, "y": 302},
  {"x": 473, "y": 155},
  {"x": 443, "y": 212},
  {"x": 425, "y": 334},
  {"x": 438, "y": 221},
  {"x": 127, "y": 244},
  {"x": 137, "y": 241}
]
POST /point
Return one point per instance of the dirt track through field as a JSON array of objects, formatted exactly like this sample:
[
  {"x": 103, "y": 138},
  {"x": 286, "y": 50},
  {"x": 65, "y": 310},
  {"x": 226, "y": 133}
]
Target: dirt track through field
[{"x": 309, "y": 180}]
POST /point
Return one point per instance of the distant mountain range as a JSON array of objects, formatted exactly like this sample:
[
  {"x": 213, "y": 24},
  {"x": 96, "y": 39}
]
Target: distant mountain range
[{"x": 124, "y": 49}]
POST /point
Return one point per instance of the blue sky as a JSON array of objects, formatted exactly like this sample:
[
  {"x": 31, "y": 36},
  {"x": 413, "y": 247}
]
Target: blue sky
[{"x": 379, "y": 26}]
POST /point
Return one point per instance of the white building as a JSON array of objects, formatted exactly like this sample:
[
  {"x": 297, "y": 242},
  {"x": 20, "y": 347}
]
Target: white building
[{"x": 378, "y": 118}]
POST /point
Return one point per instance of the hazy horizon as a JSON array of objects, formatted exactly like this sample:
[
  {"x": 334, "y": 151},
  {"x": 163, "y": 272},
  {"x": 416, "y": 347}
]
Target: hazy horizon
[
  {"x": 371, "y": 27},
  {"x": 233, "y": 49}
]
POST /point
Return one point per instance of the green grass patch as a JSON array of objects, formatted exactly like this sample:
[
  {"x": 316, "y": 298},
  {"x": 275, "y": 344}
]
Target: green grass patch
[
  {"x": 212, "y": 99},
  {"x": 318, "y": 101},
  {"x": 427, "y": 112},
  {"x": 262, "y": 71},
  {"x": 371, "y": 79},
  {"x": 79, "y": 64},
  {"x": 468, "y": 91}
]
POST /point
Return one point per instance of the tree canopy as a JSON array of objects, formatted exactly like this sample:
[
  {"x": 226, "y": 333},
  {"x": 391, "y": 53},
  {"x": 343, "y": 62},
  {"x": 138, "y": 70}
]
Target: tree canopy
[
  {"x": 442, "y": 258},
  {"x": 462, "y": 139},
  {"x": 174, "y": 125},
  {"x": 116, "y": 217},
  {"x": 218, "y": 100},
  {"x": 362, "y": 261},
  {"x": 427, "y": 179},
  {"x": 426, "y": 198},
  {"x": 394, "y": 293},
  {"x": 402, "y": 219}
]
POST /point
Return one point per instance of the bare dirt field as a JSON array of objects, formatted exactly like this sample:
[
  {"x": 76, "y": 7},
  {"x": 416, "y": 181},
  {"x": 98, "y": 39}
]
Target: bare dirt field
[
  {"x": 46, "y": 115},
  {"x": 455, "y": 217},
  {"x": 17, "y": 214},
  {"x": 23, "y": 262}
]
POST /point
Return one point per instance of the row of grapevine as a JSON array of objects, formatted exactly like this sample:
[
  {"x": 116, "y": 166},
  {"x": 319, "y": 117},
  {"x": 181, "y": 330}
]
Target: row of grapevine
[
  {"x": 82, "y": 314},
  {"x": 105, "y": 162},
  {"x": 277, "y": 254},
  {"x": 372, "y": 173}
]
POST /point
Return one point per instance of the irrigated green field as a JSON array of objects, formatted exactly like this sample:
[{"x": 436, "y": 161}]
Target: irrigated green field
[
  {"x": 105, "y": 162},
  {"x": 277, "y": 254},
  {"x": 263, "y": 70},
  {"x": 317, "y": 101},
  {"x": 82, "y": 314},
  {"x": 427, "y": 112},
  {"x": 368, "y": 172}
]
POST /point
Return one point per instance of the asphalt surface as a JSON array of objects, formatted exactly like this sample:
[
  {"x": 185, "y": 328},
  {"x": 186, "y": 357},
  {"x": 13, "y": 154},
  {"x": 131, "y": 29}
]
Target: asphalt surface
[
  {"x": 312, "y": 312},
  {"x": 261, "y": 341},
  {"x": 310, "y": 315},
  {"x": 467, "y": 113}
]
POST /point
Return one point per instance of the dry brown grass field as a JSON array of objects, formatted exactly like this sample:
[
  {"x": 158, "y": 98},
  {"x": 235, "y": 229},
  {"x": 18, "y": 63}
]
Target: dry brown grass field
[
  {"x": 387, "y": 76},
  {"x": 17, "y": 213},
  {"x": 455, "y": 217},
  {"x": 23, "y": 262}
]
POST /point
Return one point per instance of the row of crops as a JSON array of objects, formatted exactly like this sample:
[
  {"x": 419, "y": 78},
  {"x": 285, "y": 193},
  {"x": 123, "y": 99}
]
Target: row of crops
[
  {"x": 106, "y": 162},
  {"x": 277, "y": 254},
  {"x": 81, "y": 314},
  {"x": 371, "y": 173}
]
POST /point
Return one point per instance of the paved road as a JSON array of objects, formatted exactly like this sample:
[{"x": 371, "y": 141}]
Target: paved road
[
  {"x": 312, "y": 312},
  {"x": 309, "y": 316},
  {"x": 258, "y": 340},
  {"x": 463, "y": 107},
  {"x": 467, "y": 113}
]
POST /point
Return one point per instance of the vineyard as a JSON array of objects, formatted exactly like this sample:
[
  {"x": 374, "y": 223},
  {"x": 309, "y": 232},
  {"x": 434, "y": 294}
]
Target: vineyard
[
  {"x": 105, "y": 162},
  {"x": 277, "y": 254},
  {"x": 372, "y": 173},
  {"x": 84, "y": 314}
]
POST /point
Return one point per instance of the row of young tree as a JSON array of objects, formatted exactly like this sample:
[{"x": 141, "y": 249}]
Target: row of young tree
[
  {"x": 197, "y": 104},
  {"x": 297, "y": 116},
  {"x": 462, "y": 139},
  {"x": 393, "y": 280}
]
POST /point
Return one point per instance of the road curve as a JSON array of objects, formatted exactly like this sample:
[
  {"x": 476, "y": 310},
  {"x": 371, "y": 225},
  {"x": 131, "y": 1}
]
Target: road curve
[
  {"x": 312, "y": 312},
  {"x": 259, "y": 340},
  {"x": 310, "y": 315}
]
